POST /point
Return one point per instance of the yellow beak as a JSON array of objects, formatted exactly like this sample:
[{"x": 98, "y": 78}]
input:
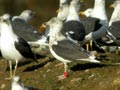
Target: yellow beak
[
  {"x": 58, "y": 10},
  {"x": 111, "y": 6},
  {"x": 81, "y": 13}
]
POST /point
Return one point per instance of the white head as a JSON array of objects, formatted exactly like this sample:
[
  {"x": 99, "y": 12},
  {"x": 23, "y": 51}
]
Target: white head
[
  {"x": 116, "y": 4},
  {"x": 63, "y": 12},
  {"x": 99, "y": 6},
  {"x": 6, "y": 16},
  {"x": 87, "y": 12},
  {"x": 63, "y": 2},
  {"x": 75, "y": 4},
  {"x": 5, "y": 20},
  {"x": 74, "y": 10},
  {"x": 56, "y": 26},
  {"x": 16, "y": 79},
  {"x": 55, "y": 22},
  {"x": 17, "y": 83},
  {"x": 26, "y": 15},
  {"x": 116, "y": 13}
]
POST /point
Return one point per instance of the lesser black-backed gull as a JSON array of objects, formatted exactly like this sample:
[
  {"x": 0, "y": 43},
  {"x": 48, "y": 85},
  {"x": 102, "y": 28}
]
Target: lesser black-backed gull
[
  {"x": 22, "y": 28},
  {"x": 99, "y": 6},
  {"x": 65, "y": 50},
  {"x": 73, "y": 28},
  {"x": 95, "y": 33},
  {"x": 25, "y": 15},
  {"x": 13, "y": 47},
  {"x": 114, "y": 24}
]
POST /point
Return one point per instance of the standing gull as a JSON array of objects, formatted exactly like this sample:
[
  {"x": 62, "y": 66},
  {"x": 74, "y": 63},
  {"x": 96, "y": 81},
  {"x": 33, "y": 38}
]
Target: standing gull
[
  {"x": 114, "y": 25},
  {"x": 73, "y": 28},
  {"x": 13, "y": 47},
  {"x": 63, "y": 49},
  {"x": 99, "y": 6},
  {"x": 25, "y": 16},
  {"x": 22, "y": 28},
  {"x": 94, "y": 31}
]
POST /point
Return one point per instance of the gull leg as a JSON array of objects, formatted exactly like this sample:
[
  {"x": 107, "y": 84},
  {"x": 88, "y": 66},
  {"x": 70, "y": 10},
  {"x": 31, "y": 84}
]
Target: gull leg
[
  {"x": 91, "y": 44},
  {"x": 65, "y": 69},
  {"x": 15, "y": 68},
  {"x": 10, "y": 65},
  {"x": 6, "y": 65},
  {"x": 117, "y": 50},
  {"x": 87, "y": 47},
  {"x": 65, "y": 72}
]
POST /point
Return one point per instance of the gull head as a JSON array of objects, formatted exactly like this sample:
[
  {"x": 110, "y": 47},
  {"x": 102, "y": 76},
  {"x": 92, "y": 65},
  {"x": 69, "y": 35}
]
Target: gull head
[
  {"x": 75, "y": 4},
  {"x": 115, "y": 4},
  {"x": 5, "y": 19},
  {"x": 16, "y": 79},
  {"x": 27, "y": 14},
  {"x": 54, "y": 22},
  {"x": 87, "y": 12}
]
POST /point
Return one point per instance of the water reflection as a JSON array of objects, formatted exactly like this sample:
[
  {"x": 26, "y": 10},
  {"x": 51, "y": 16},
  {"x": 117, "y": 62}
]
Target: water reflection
[{"x": 45, "y": 9}]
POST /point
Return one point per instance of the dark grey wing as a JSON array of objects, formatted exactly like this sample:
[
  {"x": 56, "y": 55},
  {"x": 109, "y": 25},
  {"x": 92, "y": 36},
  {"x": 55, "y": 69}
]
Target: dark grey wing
[
  {"x": 69, "y": 50},
  {"x": 91, "y": 24},
  {"x": 25, "y": 30},
  {"x": 74, "y": 30},
  {"x": 24, "y": 49},
  {"x": 115, "y": 29}
]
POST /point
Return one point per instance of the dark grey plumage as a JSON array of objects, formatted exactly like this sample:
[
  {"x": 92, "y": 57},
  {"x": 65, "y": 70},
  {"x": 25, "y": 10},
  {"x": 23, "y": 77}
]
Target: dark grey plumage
[
  {"x": 24, "y": 48},
  {"x": 74, "y": 30},
  {"x": 26, "y": 31}
]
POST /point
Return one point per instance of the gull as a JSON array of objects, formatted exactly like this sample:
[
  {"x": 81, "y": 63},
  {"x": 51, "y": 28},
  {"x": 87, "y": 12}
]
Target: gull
[
  {"x": 65, "y": 50},
  {"x": 13, "y": 47},
  {"x": 114, "y": 25},
  {"x": 99, "y": 6},
  {"x": 22, "y": 28},
  {"x": 17, "y": 84},
  {"x": 25, "y": 15},
  {"x": 73, "y": 28},
  {"x": 92, "y": 33}
]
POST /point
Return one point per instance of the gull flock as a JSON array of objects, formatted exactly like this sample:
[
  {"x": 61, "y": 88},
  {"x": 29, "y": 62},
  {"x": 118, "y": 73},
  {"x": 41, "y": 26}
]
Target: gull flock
[{"x": 66, "y": 36}]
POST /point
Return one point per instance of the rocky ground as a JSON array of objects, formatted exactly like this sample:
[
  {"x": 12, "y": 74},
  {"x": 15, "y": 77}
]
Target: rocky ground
[{"x": 82, "y": 76}]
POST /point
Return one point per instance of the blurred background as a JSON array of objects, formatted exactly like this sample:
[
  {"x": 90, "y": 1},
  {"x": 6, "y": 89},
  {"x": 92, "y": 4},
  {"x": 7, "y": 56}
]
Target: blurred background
[{"x": 45, "y": 9}]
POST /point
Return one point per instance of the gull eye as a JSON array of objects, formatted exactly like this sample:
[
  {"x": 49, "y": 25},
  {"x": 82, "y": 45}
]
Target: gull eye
[
  {"x": 31, "y": 14},
  {"x": 4, "y": 20}
]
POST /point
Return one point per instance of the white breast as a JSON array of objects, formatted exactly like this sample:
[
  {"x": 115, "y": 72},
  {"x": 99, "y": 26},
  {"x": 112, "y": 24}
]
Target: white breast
[{"x": 8, "y": 49}]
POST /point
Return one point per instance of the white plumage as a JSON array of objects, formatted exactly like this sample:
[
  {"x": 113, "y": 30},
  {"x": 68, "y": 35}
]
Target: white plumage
[
  {"x": 17, "y": 84},
  {"x": 13, "y": 47},
  {"x": 25, "y": 15}
]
